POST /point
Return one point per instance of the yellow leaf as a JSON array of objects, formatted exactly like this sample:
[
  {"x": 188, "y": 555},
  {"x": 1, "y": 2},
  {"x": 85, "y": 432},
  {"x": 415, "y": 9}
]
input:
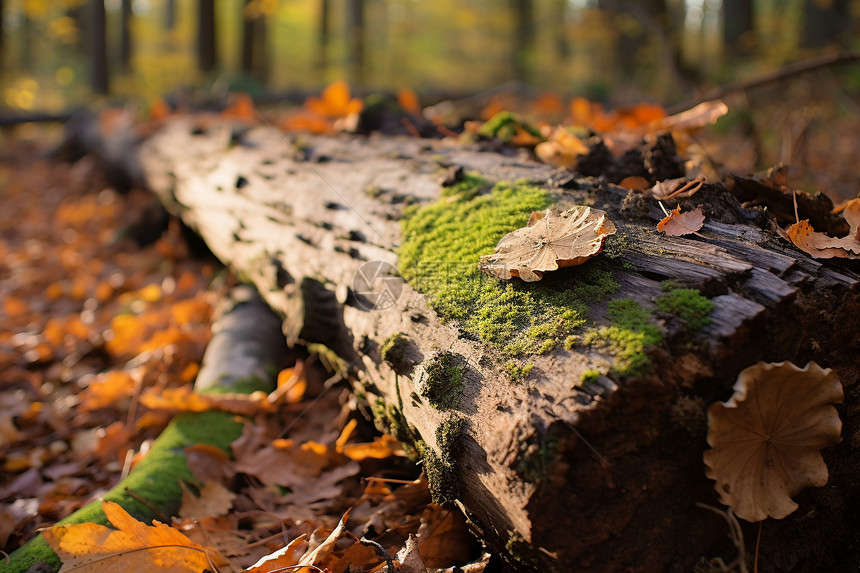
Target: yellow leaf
[{"x": 132, "y": 546}]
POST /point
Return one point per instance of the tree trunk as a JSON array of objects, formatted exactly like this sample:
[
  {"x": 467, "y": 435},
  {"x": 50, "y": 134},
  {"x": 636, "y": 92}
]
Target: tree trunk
[
  {"x": 100, "y": 78},
  {"x": 356, "y": 45},
  {"x": 207, "y": 56},
  {"x": 322, "y": 38},
  {"x": 572, "y": 466},
  {"x": 254, "y": 51},
  {"x": 522, "y": 14},
  {"x": 125, "y": 35},
  {"x": 738, "y": 28}
]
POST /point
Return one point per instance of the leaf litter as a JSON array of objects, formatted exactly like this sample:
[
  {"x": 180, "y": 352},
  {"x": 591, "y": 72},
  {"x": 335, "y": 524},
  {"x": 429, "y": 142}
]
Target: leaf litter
[{"x": 101, "y": 341}]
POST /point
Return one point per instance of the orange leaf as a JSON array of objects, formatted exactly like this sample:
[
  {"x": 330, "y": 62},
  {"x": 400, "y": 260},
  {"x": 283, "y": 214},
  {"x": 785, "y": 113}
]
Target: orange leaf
[
  {"x": 381, "y": 447},
  {"x": 242, "y": 108},
  {"x": 107, "y": 389},
  {"x": 822, "y": 246},
  {"x": 183, "y": 399},
  {"x": 407, "y": 99},
  {"x": 335, "y": 101},
  {"x": 132, "y": 546},
  {"x": 677, "y": 223}
]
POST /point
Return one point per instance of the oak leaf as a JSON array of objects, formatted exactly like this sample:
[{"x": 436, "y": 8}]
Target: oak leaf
[
  {"x": 676, "y": 223},
  {"x": 766, "y": 438},
  {"x": 550, "y": 240},
  {"x": 823, "y": 246},
  {"x": 132, "y": 546}
]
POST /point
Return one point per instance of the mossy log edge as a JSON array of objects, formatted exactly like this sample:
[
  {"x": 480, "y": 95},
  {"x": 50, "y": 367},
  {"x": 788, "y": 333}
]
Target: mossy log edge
[{"x": 153, "y": 490}]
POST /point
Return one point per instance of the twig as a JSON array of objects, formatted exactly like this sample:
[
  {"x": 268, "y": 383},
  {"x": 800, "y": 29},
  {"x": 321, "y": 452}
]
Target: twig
[
  {"x": 787, "y": 71},
  {"x": 382, "y": 552}
]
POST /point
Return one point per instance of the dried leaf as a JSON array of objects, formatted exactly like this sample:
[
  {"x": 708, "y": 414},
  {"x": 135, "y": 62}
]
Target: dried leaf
[
  {"x": 549, "y": 241},
  {"x": 410, "y": 558},
  {"x": 692, "y": 119},
  {"x": 286, "y": 556},
  {"x": 132, "y": 546},
  {"x": 184, "y": 399},
  {"x": 321, "y": 556},
  {"x": 766, "y": 438},
  {"x": 214, "y": 500},
  {"x": 823, "y": 246},
  {"x": 562, "y": 148},
  {"x": 676, "y": 223},
  {"x": 407, "y": 100}
]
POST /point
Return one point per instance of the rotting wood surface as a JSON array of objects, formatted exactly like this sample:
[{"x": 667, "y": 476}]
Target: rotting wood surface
[{"x": 620, "y": 458}]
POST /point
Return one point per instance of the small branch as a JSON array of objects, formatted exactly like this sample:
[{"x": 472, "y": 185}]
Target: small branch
[{"x": 785, "y": 72}]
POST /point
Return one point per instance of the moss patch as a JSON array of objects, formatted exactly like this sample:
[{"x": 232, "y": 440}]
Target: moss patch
[
  {"x": 518, "y": 371},
  {"x": 441, "y": 468},
  {"x": 394, "y": 352},
  {"x": 630, "y": 333},
  {"x": 439, "y": 257},
  {"x": 688, "y": 304},
  {"x": 442, "y": 380},
  {"x": 590, "y": 376}
]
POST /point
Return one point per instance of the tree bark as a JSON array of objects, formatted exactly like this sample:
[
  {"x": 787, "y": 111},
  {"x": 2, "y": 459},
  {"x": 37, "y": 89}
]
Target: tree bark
[
  {"x": 557, "y": 474},
  {"x": 207, "y": 56},
  {"x": 100, "y": 78}
]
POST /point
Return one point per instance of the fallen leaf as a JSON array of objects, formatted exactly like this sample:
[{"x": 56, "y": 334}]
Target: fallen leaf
[
  {"x": 214, "y": 500},
  {"x": 107, "y": 390},
  {"x": 321, "y": 556},
  {"x": 407, "y": 100},
  {"x": 561, "y": 149},
  {"x": 132, "y": 546},
  {"x": 286, "y": 556},
  {"x": 549, "y": 241},
  {"x": 242, "y": 109},
  {"x": 822, "y": 246},
  {"x": 766, "y": 438},
  {"x": 184, "y": 399},
  {"x": 410, "y": 558},
  {"x": 676, "y": 223},
  {"x": 335, "y": 102}
]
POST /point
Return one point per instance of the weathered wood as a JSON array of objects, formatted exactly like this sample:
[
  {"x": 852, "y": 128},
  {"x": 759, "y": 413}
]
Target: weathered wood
[{"x": 602, "y": 476}]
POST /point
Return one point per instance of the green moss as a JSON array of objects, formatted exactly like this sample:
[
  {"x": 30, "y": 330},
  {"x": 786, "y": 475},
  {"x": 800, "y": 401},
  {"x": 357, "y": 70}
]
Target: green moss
[
  {"x": 518, "y": 371},
  {"x": 630, "y": 333},
  {"x": 468, "y": 187},
  {"x": 505, "y": 125},
  {"x": 156, "y": 479},
  {"x": 393, "y": 352},
  {"x": 590, "y": 376},
  {"x": 441, "y": 468},
  {"x": 439, "y": 257},
  {"x": 442, "y": 380},
  {"x": 688, "y": 304}
]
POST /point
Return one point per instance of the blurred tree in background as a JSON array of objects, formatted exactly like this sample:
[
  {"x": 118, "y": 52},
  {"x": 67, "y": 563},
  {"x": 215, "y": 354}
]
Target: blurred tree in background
[{"x": 57, "y": 54}]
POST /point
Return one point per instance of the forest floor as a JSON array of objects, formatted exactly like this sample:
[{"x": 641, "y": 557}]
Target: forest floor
[{"x": 96, "y": 316}]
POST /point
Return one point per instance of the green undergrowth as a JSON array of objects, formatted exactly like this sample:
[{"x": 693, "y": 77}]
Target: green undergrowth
[
  {"x": 439, "y": 257},
  {"x": 630, "y": 332},
  {"x": 687, "y": 304}
]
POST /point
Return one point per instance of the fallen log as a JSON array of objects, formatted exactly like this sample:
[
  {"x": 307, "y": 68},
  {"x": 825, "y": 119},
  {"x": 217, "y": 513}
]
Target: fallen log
[{"x": 567, "y": 417}]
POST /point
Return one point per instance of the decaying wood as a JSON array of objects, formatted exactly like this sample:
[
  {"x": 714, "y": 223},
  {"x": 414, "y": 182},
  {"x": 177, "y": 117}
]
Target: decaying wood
[{"x": 620, "y": 459}]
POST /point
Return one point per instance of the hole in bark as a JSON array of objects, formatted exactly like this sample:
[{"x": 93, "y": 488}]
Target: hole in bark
[{"x": 241, "y": 182}]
